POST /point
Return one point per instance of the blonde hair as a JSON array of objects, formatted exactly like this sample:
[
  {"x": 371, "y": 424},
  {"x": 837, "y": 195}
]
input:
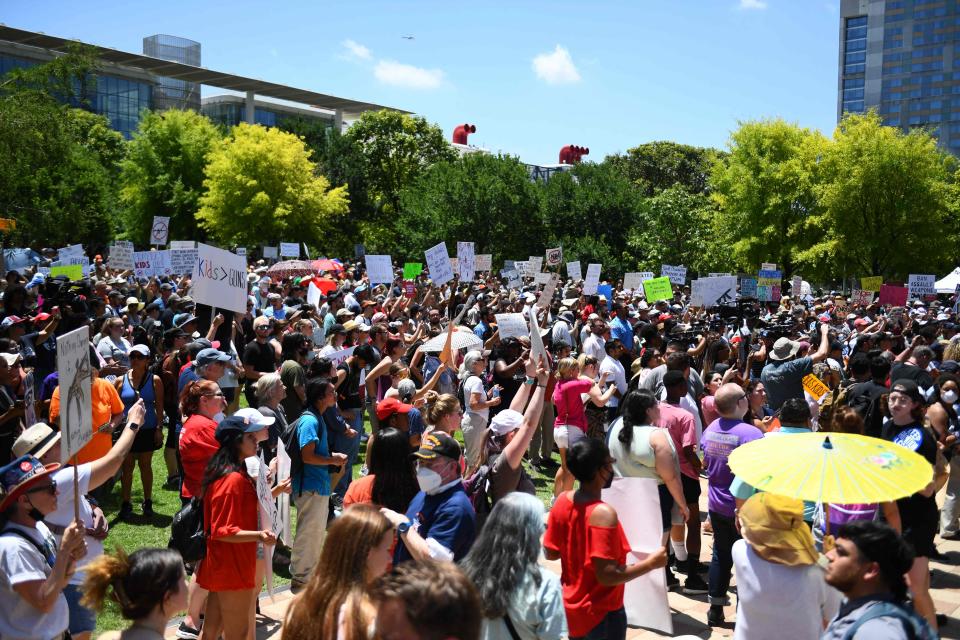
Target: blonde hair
[
  {"x": 438, "y": 406},
  {"x": 565, "y": 368},
  {"x": 138, "y": 583}
]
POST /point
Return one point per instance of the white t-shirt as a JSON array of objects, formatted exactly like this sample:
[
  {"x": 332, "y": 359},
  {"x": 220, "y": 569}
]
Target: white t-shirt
[
  {"x": 473, "y": 384},
  {"x": 63, "y": 516},
  {"x": 593, "y": 346},
  {"x": 615, "y": 376},
  {"x": 766, "y": 608},
  {"x": 21, "y": 561}
]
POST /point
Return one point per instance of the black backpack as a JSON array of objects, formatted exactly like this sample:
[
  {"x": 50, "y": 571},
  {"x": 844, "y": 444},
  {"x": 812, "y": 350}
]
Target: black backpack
[
  {"x": 187, "y": 534},
  {"x": 291, "y": 442},
  {"x": 477, "y": 488}
]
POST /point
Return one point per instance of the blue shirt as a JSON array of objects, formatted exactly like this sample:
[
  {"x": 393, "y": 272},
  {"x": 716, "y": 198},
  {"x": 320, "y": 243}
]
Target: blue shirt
[
  {"x": 784, "y": 380},
  {"x": 447, "y": 517},
  {"x": 622, "y": 331},
  {"x": 276, "y": 314},
  {"x": 314, "y": 477}
]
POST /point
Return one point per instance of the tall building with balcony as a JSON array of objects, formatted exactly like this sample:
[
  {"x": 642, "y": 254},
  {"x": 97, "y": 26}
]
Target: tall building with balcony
[{"x": 171, "y": 93}]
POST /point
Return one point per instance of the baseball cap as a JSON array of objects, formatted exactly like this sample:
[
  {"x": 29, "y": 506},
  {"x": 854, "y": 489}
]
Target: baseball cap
[
  {"x": 208, "y": 344},
  {"x": 142, "y": 349},
  {"x": 389, "y": 406},
  {"x": 10, "y": 358},
  {"x": 908, "y": 388},
  {"x": 236, "y": 425},
  {"x": 506, "y": 421},
  {"x": 437, "y": 443},
  {"x": 210, "y": 355},
  {"x": 9, "y": 321},
  {"x": 183, "y": 319},
  {"x": 254, "y": 416}
]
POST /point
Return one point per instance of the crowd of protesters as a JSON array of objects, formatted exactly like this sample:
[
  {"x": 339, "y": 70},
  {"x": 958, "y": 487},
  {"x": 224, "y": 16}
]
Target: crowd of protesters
[{"x": 441, "y": 535}]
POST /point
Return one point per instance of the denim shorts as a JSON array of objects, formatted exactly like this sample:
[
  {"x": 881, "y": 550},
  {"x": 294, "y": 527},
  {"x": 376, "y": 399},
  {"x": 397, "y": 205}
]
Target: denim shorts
[{"x": 82, "y": 619}]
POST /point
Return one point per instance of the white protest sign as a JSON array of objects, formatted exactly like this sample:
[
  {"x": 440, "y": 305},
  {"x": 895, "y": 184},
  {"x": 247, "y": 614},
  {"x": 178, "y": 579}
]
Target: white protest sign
[
  {"x": 677, "y": 275},
  {"x": 520, "y": 266},
  {"x": 534, "y": 265},
  {"x": 121, "y": 256},
  {"x": 768, "y": 266},
  {"x": 573, "y": 271},
  {"x": 337, "y": 357},
  {"x": 159, "y": 230},
  {"x": 554, "y": 257},
  {"x": 718, "y": 274},
  {"x": 182, "y": 261},
  {"x": 313, "y": 295},
  {"x": 438, "y": 262},
  {"x": 511, "y": 325},
  {"x": 546, "y": 296},
  {"x": 592, "y": 280},
  {"x": 537, "y": 351},
  {"x": 29, "y": 399},
  {"x": 283, "y": 500},
  {"x": 73, "y": 251},
  {"x": 542, "y": 278},
  {"x": 483, "y": 262},
  {"x": 76, "y": 403},
  {"x": 632, "y": 281},
  {"x": 921, "y": 285},
  {"x": 270, "y": 252},
  {"x": 711, "y": 292},
  {"x": 241, "y": 251},
  {"x": 455, "y": 264},
  {"x": 646, "y": 275},
  {"x": 257, "y": 468},
  {"x": 176, "y": 245},
  {"x": 220, "y": 279},
  {"x": 161, "y": 263},
  {"x": 465, "y": 261},
  {"x": 143, "y": 264},
  {"x": 379, "y": 269},
  {"x": 289, "y": 249}
]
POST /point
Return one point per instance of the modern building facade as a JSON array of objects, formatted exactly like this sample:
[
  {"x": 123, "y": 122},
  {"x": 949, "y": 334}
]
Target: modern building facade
[
  {"x": 126, "y": 83},
  {"x": 229, "y": 111},
  {"x": 902, "y": 58}
]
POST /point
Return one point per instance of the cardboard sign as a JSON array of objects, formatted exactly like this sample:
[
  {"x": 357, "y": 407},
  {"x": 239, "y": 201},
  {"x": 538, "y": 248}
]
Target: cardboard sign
[
  {"x": 546, "y": 296},
  {"x": 270, "y": 252},
  {"x": 632, "y": 281},
  {"x": 873, "y": 283},
  {"x": 861, "y": 297},
  {"x": 411, "y": 270},
  {"x": 554, "y": 257},
  {"x": 483, "y": 262},
  {"x": 712, "y": 292},
  {"x": 76, "y": 404},
  {"x": 573, "y": 271},
  {"x": 220, "y": 279},
  {"x": 511, "y": 325},
  {"x": 592, "y": 280},
  {"x": 289, "y": 249},
  {"x": 465, "y": 261},
  {"x": 121, "y": 256},
  {"x": 677, "y": 275},
  {"x": 143, "y": 264},
  {"x": 893, "y": 295},
  {"x": 379, "y": 269},
  {"x": 73, "y": 271},
  {"x": 534, "y": 265},
  {"x": 658, "y": 289},
  {"x": 438, "y": 262},
  {"x": 159, "y": 230},
  {"x": 814, "y": 386},
  {"x": 921, "y": 285}
]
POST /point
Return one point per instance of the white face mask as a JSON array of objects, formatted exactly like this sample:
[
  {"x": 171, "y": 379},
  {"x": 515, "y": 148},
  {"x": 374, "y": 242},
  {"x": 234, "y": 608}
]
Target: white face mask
[
  {"x": 950, "y": 397},
  {"x": 429, "y": 480}
]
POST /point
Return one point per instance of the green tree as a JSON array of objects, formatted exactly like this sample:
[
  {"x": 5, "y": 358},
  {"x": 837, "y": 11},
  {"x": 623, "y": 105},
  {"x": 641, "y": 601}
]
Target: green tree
[
  {"x": 262, "y": 187},
  {"x": 657, "y": 166},
  {"x": 480, "y": 198},
  {"x": 163, "y": 172},
  {"x": 887, "y": 203},
  {"x": 764, "y": 190},
  {"x": 677, "y": 231}
]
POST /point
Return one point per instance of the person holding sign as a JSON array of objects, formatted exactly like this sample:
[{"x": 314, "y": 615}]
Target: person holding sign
[{"x": 783, "y": 376}]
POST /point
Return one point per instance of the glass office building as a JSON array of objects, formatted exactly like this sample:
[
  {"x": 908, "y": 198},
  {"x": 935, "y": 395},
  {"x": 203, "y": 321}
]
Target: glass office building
[
  {"x": 171, "y": 93},
  {"x": 229, "y": 111},
  {"x": 902, "y": 58}
]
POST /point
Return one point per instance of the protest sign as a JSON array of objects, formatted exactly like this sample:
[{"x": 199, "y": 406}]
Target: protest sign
[
  {"x": 511, "y": 325},
  {"x": 553, "y": 279},
  {"x": 337, "y": 357},
  {"x": 921, "y": 285},
  {"x": 159, "y": 230},
  {"x": 73, "y": 251},
  {"x": 520, "y": 266},
  {"x": 541, "y": 278},
  {"x": 76, "y": 404},
  {"x": 534, "y": 265},
  {"x": 289, "y": 249},
  {"x": 768, "y": 266},
  {"x": 768, "y": 285},
  {"x": 379, "y": 269},
  {"x": 411, "y": 270},
  {"x": 143, "y": 264},
  {"x": 483, "y": 262},
  {"x": 182, "y": 261},
  {"x": 29, "y": 399},
  {"x": 632, "y": 281},
  {"x": 658, "y": 289},
  {"x": 795, "y": 284},
  {"x": 717, "y": 275},
  {"x": 284, "y": 466},
  {"x": 121, "y": 256},
  {"x": 438, "y": 262},
  {"x": 176, "y": 245},
  {"x": 814, "y": 386},
  {"x": 554, "y": 257},
  {"x": 647, "y": 275},
  {"x": 748, "y": 287},
  {"x": 220, "y": 279},
  {"x": 873, "y": 283},
  {"x": 241, "y": 251},
  {"x": 270, "y": 252},
  {"x": 409, "y": 289},
  {"x": 893, "y": 295},
  {"x": 514, "y": 280},
  {"x": 73, "y": 271},
  {"x": 592, "y": 280},
  {"x": 537, "y": 351},
  {"x": 861, "y": 297},
  {"x": 711, "y": 292},
  {"x": 677, "y": 275},
  {"x": 313, "y": 294},
  {"x": 455, "y": 264},
  {"x": 465, "y": 261},
  {"x": 573, "y": 271},
  {"x": 161, "y": 263}
]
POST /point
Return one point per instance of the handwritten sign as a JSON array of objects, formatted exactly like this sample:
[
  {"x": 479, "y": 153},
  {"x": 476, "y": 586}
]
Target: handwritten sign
[
  {"x": 511, "y": 325},
  {"x": 861, "y": 297},
  {"x": 546, "y": 296},
  {"x": 270, "y": 252},
  {"x": 483, "y": 262},
  {"x": 73, "y": 271},
  {"x": 921, "y": 285},
  {"x": 438, "y": 262},
  {"x": 768, "y": 266},
  {"x": 220, "y": 279},
  {"x": 289, "y": 249},
  {"x": 573, "y": 271},
  {"x": 465, "y": 261},
  {"x": 677, "y": 275},
  {"x": 873, "y": 283},
  {"x": 379, "y": 268},
  {"x": 182, "y": 261},
  {"x": 159, "y": 230},
  {"x": 554, "y": 257},
  {"x": 748, "y": 287},
  {"x": 76, "y": 405},
  {"x": 657, "y": 289},
  {"x": 411, "y": 270},
  {"x": 893, "y": 295},
  {"x": 592, "y": 280},
  {"x": 73, "y": 251},
  {"x": 814, "y": 386},
  {"x": 121, "y": 256},
  {"x": 534, "y": 265}
]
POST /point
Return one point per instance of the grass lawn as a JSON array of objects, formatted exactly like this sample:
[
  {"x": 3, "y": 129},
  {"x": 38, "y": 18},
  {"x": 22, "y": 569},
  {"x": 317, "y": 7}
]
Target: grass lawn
[{"x": 142, "y": 532}]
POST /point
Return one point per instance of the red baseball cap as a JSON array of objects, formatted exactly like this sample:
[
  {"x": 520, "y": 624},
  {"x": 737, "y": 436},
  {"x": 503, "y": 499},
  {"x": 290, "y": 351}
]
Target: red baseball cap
[{"x": 389, "y": 406}]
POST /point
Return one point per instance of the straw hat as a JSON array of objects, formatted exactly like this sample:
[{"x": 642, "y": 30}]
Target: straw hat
[{"x": 773, "y": 526}]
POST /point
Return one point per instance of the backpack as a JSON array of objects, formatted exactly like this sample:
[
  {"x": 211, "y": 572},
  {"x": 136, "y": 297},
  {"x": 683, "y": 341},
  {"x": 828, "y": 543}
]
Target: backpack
[
  {"x": 915, "y": 626},
  {"x": 187, "y": 534},
  {"x": 290, "y": 437},
  {"x": 477, "y": 487}
]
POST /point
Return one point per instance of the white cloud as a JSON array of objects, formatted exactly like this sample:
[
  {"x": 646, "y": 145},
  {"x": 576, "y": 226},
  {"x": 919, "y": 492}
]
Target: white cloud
[
  {"x": 753, "y": 4},
  {"x": 556, "y": 67},
  {"x": 356, "y": 50},
  {"x": 405, "y": 75}
]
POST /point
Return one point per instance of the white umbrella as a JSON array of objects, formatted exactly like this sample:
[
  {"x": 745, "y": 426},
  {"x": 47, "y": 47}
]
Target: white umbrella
[{"x": 463, "y": 338}]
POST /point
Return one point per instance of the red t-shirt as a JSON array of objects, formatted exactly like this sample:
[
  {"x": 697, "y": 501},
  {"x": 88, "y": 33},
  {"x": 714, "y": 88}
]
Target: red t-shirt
[
  {"x": 569, "y": 406},
  {"x": 570, "y": 533},
  {"x": 360, "y": 491},
  {"x": 197, "y": 445},
  {"x": 229, "y": 566}
]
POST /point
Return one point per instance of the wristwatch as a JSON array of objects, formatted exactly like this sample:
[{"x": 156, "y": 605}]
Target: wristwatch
[
  {"x": 530, "y": 380},
  {"x": 133, "y": 426},
  {"x": 403, "y": 527}
]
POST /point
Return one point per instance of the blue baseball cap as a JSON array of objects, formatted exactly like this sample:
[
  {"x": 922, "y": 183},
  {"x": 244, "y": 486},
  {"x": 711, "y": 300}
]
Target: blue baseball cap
[{"x": 236, "y": 425}]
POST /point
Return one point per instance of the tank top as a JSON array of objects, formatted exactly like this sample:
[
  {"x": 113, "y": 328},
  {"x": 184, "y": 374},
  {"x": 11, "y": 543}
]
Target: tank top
[
  {"x": 129, "y": 396},
  {"x": 639, "y": 460}
]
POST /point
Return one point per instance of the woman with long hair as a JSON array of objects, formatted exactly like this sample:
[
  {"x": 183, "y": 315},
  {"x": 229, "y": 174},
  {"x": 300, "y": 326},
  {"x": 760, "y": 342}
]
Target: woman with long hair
[
  {"x": 149, "y": 586},
  {"x": 201, "y": 404},
  {"x": 296, "y": 348},
  {"x": 708, "y": 404},
  {"x": 335, "y": 339},
  {"x": 231, "y": 519},
  {"x": 476, "y": 403},
  {"x": 392, "y": 478},
  {"x": 759, "y": 415},
  {"x": 515, "y": 591},
  {"x": 336, "y": 602},
  {"x": 944, "y": 420}
]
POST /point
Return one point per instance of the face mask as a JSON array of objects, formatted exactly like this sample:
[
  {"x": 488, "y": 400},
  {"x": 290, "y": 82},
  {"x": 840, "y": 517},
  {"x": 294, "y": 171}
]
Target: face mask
[
  {"x": 950, "y": 397},
  {"x": 218, "y": 417},
  {"x": 429, "y": 480}
]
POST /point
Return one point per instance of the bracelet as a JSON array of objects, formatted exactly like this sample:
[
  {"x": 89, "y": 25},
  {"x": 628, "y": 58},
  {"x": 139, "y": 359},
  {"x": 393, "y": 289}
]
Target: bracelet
[
  {"x": 541, "y": 386},
  {"x": 530, "y": 381}
]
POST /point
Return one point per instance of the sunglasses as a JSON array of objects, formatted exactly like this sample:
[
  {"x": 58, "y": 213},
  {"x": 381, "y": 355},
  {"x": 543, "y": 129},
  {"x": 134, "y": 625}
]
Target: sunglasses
[
  {"x": 218, "y": 394},
  {"x": 49, "y": 488}
]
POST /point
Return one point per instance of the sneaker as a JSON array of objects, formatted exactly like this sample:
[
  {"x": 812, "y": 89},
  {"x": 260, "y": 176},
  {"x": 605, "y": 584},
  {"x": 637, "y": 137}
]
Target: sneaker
[
  {"x": 148, "y": 508},
  {"x": 679, "y": 565},
  {"x": 715, "y": 616},
  {"x": 672, "y": 581},
  {"x": 186, "y": 632},
  {"x": 694, "y": 585},
  {"x": 126, "y": 511}
]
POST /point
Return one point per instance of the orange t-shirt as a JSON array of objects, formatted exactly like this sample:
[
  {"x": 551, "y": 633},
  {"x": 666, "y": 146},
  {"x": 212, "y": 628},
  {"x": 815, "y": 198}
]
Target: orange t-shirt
[
  {"x": 360, "y": 491},
  {"x": 106, "y": 404}
]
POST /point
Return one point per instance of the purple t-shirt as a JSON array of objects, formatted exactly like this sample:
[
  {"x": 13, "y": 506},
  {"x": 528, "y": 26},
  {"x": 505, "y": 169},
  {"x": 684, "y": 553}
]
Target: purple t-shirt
[{"x": 718, "y": 442}]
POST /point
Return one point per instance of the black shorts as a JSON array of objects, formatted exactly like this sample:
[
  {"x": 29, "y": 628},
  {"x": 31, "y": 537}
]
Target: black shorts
[
  {"x": 666, "y": 506},
  {"x": 145, "y": 441},
  {"x": 921, "y": 536},
  {"x": 691, "y": 489}
]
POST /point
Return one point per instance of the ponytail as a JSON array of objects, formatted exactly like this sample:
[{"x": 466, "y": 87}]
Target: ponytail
[{"x": 137, "y": 583}]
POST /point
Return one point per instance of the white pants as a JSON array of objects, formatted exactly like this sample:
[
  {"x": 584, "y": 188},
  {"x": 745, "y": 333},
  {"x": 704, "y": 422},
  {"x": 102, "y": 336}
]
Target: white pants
[
  {"x": 474, "y": 427},
  {"x": 312, "y": 510}
]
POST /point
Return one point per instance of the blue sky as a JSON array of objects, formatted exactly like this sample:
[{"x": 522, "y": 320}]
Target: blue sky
[{"x": 532, "y": 76}]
